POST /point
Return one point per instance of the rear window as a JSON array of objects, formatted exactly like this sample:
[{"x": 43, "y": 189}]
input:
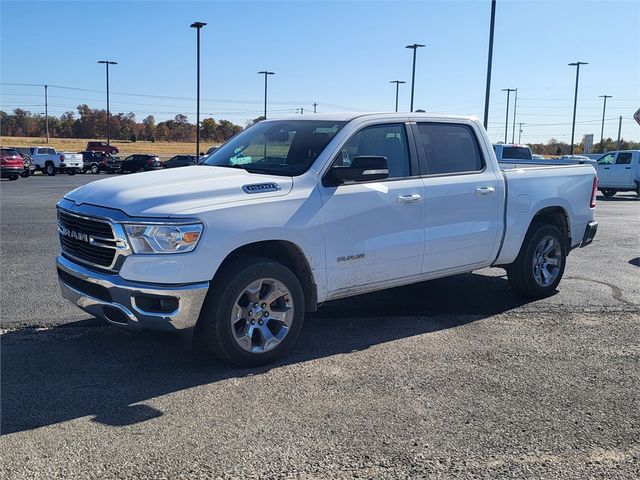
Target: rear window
[
  {"x": 450, "y": 148},
  {"x": 8, "y": 153},
  {"x": 516, "y": 153}
]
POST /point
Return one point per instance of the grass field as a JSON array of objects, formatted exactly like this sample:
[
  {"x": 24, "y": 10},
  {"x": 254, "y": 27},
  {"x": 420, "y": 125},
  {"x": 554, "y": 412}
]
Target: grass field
[{"x": 162, "y": 149}]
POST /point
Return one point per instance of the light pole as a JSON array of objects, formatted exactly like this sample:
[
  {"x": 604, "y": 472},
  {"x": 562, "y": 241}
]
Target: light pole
[
  {"x": 604, "y": 107},
  {"x": 520, "y": 132},
  {"x": 415, "y": 48},
  {"x": 397, "y": 82},
  {"x": 489, "y": 60},
  {"x": 46, "y": 112},
  {"x": 197, "y": 26},
  {"x": 506, "y": 120},
  {"x": 315, "y": 105},
  {"x": 106, "y": 64},
  {"x": 266, "y": 73},
  {"x": 515, "y": 105},
  {"x": 575, "y": 99}
]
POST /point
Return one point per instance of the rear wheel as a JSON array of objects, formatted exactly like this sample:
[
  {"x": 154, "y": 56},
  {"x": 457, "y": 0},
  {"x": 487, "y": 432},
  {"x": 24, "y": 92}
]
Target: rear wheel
[
  {"x": 13, "y": 177},
  {"x": 71, "y": 171},
  {"x": 539, "y": 267},
  {"x": 95, "y": 169},
  {"x": 609, "y": 192},
  {"x": 254, "y": 312},
  {"x": 25, "y": 174},
  {"x": 50, "y": 169}
]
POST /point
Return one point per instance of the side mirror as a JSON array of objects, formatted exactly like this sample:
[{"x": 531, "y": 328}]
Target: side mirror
[{"x": 363, "y": 168}]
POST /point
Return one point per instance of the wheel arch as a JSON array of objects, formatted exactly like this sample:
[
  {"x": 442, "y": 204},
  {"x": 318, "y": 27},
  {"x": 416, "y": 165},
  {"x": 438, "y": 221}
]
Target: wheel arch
[
  {"x": 288, "y": 254},
  {"x": 556, "y": 216}
]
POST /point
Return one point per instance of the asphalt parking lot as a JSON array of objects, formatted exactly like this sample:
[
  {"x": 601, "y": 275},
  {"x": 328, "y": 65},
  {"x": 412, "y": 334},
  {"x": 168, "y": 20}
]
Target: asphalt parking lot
[{"x": 453, "y": 378}]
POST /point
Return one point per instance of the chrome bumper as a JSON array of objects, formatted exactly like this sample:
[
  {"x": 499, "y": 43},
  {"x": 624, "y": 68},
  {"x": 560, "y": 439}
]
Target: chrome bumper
[{"x": 129, "y": 304}]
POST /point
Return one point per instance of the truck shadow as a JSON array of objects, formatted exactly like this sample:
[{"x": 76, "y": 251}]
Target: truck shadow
[{"x": 90, "y": 369}]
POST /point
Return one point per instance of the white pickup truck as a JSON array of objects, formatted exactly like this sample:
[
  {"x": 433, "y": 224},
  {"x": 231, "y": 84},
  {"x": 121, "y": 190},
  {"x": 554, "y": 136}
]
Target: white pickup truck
[
  {"x": 619, "y": 172},
  {"x": 318, "y": 209},
  {"x": 47, "y": 160}
]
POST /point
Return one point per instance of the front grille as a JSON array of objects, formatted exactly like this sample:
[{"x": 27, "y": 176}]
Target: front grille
[
  {"x": 92, "y": 289},
  {"x": 79, "y": 248}
]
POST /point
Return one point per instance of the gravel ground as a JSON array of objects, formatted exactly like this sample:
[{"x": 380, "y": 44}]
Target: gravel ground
[{"x": 453, "y": 378}]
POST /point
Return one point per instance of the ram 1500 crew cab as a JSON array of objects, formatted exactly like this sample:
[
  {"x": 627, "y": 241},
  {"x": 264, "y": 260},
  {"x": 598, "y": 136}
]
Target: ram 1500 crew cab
[
  {"x": 291, "y": 213},
  {"x": 619, "y": 172}
]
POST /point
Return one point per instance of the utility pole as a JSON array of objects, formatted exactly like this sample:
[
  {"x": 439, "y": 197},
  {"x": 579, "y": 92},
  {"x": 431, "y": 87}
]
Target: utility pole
[
  {"x": 46, "y": 112},
  {"x": 415, "y": 48},
  {"x": 619, "y": 130},
  {"x": 106, "y": 64},
  {"x": 301, "y": 110},
  {"x": 519, "y": 132},
  {"x": 314, "y": 107},
  {"x": 515, "y": 105},
  {"x": 506, "y": 120},
  {"x": 265, "y": 73},
  {"x": 604, "y": 107},
  {"x": 197, "y": 26},
  {"x": 489, "y": 60},
  {"x": 575, "y": 99},
  {"x": 397, "y": 82}
]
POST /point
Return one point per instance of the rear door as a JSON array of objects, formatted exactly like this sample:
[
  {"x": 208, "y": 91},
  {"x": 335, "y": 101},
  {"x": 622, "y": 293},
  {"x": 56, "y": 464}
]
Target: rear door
[
  {"x": 621, "y": 173},
  {"x": 374, "y": 231},
  {"x": 462, "y": 198}
]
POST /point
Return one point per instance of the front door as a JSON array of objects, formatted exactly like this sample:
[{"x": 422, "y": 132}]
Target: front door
[
  {"x": 620, "y": 173},
  {"x": 374, "y": 231},
  {"x": 462, "y": 199}
]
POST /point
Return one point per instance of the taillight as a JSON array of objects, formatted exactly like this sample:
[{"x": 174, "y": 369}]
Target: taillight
[
  {"x": 593, "y": 192},
  {"x": 149, "y": 161},
  {"x": 61, "y": 158}
]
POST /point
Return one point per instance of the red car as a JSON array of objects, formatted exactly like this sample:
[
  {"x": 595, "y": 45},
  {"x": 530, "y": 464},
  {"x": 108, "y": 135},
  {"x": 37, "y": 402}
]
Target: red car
[
  {"x": 102, "y": 147},
  {"x": 12, "y": 164}
]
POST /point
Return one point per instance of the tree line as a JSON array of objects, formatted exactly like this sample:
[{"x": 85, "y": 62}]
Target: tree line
[
  {"x": 92, "y": 123},
  {"x": 555, "y": 147}
]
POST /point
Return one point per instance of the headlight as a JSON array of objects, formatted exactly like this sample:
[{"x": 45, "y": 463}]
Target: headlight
[{"x": 163, "y": 238}]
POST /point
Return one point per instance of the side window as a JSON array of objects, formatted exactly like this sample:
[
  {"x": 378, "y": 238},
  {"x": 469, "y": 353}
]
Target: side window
[
  {"x": 389, "y": 141},
  {"x": 607, "y": 159},
  {"x": 450, "y": 148},
  {"x": 623, "y": 158}
]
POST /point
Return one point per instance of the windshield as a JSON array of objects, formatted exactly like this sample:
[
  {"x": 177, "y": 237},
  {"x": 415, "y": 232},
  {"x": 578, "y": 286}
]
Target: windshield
[{"x": 285, "y": 147}]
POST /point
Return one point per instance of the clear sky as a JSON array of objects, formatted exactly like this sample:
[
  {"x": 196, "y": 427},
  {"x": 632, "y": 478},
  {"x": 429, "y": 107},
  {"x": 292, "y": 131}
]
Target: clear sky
[{"x": 339, "y": 54}]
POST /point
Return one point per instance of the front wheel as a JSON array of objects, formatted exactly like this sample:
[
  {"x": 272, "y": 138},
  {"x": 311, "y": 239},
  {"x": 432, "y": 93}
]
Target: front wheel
[
  {"x": 254, "y": 312},
  {"x": 95, "y": 169},
  {"x": 609, "y": 192},
  {"x": 13, "y": 178},
  {"x": 25, "y": 174},
  {"x": 539, "y": 267}
]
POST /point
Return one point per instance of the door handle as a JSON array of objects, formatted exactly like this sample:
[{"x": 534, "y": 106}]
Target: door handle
[
  {"x": 606, "y": 168},
  {"x": 485, "y": 190},
  {"x": 627, "y": 168},
  {"x": 409, "y": 198}
]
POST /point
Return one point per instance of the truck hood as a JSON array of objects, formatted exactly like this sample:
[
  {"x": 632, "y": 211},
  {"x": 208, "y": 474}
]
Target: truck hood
[{"x": 168, "y": 192}]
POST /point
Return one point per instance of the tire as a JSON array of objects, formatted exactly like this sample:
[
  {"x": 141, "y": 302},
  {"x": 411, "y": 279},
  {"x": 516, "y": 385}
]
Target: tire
[
  {"x": 13, "y": 178},
  {"x": 71, "y": 172},
  {"x": 247, "y": 335},
  {"x": 50, "y": 169},
  {"x": 25, "y": 174},
  {"x": 113, "y": 152},
  {"x": 95, "y": 169},
  {"x": 609, "y": 192},
  {"x": 527, "y": 274},
  {"x": 141, "y": 169}
]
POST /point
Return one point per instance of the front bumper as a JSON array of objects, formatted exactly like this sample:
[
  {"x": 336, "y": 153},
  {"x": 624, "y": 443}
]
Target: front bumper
[
  {"x": 132, "y": 305},
  {"x": 589, "y": 233}
]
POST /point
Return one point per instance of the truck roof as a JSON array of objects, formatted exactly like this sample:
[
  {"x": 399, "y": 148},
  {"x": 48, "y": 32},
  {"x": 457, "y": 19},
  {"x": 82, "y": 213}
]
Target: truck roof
[{"x": 348, "y": 116}]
